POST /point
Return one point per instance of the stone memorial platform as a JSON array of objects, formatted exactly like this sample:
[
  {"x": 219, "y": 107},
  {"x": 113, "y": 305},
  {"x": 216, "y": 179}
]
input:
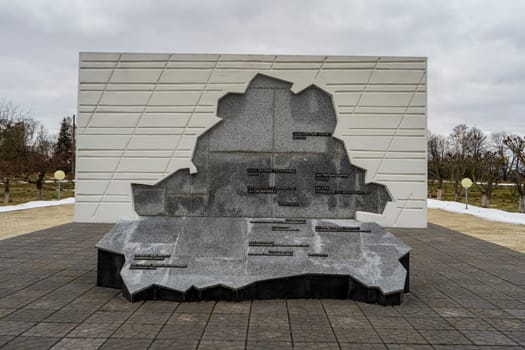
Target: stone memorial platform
[{"x": 267, "y": 214}]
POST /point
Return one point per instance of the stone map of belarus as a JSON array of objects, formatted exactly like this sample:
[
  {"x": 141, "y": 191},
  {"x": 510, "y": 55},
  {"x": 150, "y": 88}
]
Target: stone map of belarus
[{"x": 269, "y": 212}]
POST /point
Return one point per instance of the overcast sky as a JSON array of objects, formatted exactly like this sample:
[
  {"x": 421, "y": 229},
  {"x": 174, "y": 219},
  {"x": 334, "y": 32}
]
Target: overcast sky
[{"x": 476, "y": 49}]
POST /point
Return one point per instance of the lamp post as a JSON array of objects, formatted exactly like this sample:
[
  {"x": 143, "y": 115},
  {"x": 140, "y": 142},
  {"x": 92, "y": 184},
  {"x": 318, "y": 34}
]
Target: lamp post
[
  {"x": 59, "y": 175},
  {"x": 466, "y": 183}
]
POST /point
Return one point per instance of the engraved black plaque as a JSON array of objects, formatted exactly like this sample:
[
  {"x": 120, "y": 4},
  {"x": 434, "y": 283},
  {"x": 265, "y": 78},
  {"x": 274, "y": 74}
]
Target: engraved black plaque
[
  {"x": 156, "y": 266},
  {"x": 288, "y": 204},
  {"x": 318, "y": 255},
  {"x": 150, "y": 256},
  {"x": 269, "y": 189},
  {"x": 257, "y": 171},
  {"x": 339, "y": 229},
  {"x": 302, "y": 135}
]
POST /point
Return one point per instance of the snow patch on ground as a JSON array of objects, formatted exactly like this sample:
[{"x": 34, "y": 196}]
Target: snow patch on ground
[
  {"x": 36, "y": 204},
  {"x": 484, "y": 213}
]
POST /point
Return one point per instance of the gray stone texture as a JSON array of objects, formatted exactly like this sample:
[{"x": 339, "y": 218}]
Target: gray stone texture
[
  {"x": 256, "y": 131},
  {"x": 216, "y": 251}
]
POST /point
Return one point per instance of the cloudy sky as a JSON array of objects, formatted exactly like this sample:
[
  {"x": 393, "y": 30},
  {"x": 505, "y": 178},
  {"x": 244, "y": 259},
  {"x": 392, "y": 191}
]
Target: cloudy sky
[{"x": 476, "y": 49}]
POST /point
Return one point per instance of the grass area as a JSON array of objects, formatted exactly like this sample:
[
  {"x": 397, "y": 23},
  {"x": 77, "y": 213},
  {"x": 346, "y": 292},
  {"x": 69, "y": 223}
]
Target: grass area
[
  {"x": 503, "y": 197},
  {"x": 23, "y": 192}
]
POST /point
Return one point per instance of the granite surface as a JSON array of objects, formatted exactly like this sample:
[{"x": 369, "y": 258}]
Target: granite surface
[
  {"x": 272, "y": 155},
  {"x": 235, "y": 252}
]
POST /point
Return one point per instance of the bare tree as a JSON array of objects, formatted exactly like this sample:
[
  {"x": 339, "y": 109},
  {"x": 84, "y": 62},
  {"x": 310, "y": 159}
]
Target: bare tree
[
  {"x": 457, "y": 157},
  {"x": 437, "y": 148},
  {"x": 516, "y": 144},
  {"x": 16, "y": 132},
  {"x": 40, "y": 160},
  {"x": 486, "y": 173}
]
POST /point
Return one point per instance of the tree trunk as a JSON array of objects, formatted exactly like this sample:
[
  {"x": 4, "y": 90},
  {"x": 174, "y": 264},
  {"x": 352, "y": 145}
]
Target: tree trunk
[
  {"x": 522, "y": 203},
  {"x": 39, "y": 184},
  {"x": 485, "y": 200},
  {"x": 456, "y": 196},
  {"x": 439, "y": 193},
  {"x": 7, "y": 186}
]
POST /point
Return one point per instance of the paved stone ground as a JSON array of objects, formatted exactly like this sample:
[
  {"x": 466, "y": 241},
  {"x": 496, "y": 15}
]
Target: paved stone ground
[{"x": 466, "y": 294}]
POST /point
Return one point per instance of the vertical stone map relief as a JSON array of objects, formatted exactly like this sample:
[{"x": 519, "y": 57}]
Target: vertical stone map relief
[
  {"x": 272, "y": 155},
  {"x": 269, "y": 213}
]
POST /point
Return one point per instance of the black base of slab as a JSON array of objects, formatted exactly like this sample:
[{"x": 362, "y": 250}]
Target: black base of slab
[
  {"x": 296, "y": 287},
  {"x": 108, "y": 269}
]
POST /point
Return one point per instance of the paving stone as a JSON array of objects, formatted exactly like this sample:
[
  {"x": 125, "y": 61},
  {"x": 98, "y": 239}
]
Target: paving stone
[
  {"x": 149, "y": 318},
  {"x": 157, "y": 306},
  {"x": 389, "y": 322},
  {"x": 69, "y": 316},
  {"x": 362, "y": 336},
  {"x": 309, "y": 333},
  {"x": 506, "y": 324},
  {"x": 220, "y": 344},
  {"x": 226, "y": 333},
  {"x": 5, "y": 312},
  {"x": 79, "y": 344},
  {"x": 361, "y": 346},
  {"x": 137, "y": 330},
  {"x": 517, "y": 337},
  {"x": 49, "y": 329},
  {"x": 408, "y": 347},
  {"x": 232, "y": 308},
  {"x": 108, "y": 317},
  {"x": 128, "y": 344},
  {"x": 31, "y": 343},
  {"x": 182, "y": 333},
  {"x": 453, "y": 312},
  {"x": 93, "y": 330},
  {"x": 394, "y": 336},
  {"x": 357, "y": 322},
  {"x": 238, "y": 320},
  {"x": 200, "y": 307},
  {"x": 469, "y": 323},
  {"x": 488, "y": 338},
  {"x": 269, "y": 333},
  {"x": 444, "y": 337},
  {"x": 172, "y": 344},
  {"x": 5, "y": 339},
  {"x": 14, "y": 327},
  {"x": 188, "y": 319},
  {"x": 429, "y": 323},
  {"x": 268, "y": 345},
  {"x": 31, "y": 315}
]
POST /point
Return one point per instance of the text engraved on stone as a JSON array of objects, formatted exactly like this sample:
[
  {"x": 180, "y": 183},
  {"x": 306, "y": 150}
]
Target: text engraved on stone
[
  {"x": 273, "y": 244},
  {"x": 150, "y": 256},
  {"x": 339, "y": 229},
  {"x": 284, "y": 228},
  {"x": 359, "y": 192},
  {"x": 156, "y": 266},
  {"x": 302, "y": 135},
  {"x": 270, "y": 189},
  {"x": 327, "y": 176},
  {"x": 272, "y": 254},
  {"x": 288, "y": 204},
  {"x": 257, "y": 171}
]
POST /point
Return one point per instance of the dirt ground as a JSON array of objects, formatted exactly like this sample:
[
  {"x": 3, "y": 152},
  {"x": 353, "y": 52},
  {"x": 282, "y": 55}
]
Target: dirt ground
[
  {"x": 508, "y": 235},
  {"x": 20, "y": 222}
]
